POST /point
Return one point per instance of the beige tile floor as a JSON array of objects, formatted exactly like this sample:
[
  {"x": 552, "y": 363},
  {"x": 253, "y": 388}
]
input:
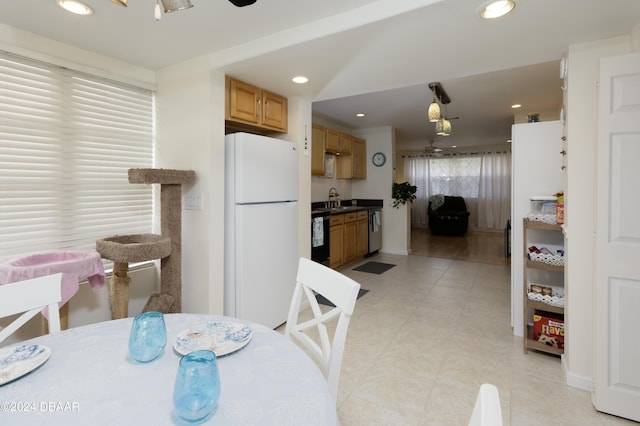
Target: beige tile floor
[{"x": 428, "y": 333}]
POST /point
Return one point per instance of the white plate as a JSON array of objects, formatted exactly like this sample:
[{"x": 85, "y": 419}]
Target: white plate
[
  {"x": 17, "y": 361},
  {"x": 222, "y": 338}
]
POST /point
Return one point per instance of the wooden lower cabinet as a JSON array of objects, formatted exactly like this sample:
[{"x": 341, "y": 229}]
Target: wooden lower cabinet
[
  {"x": 336, "y": 243},
  {"x": 362, "y": 234},
  {"x": 349, "y": 237}
]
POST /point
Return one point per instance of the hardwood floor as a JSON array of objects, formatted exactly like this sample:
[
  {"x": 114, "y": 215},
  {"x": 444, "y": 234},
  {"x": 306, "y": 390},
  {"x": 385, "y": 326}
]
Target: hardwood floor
[{"x": 474, "y": 246}]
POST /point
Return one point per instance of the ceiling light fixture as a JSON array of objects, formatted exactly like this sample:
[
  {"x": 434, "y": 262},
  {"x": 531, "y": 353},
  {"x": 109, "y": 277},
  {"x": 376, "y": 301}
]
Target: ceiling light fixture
[
  {"x": 360, "y": 114},
  {"x": 300, "y": 79},
  {"x": 443, "y": 125},
  {"x": 438, "y": 95},
  {"x": 75, "y": 7},
  {"x": 434, "y": 111},
  {"x": 175, "y": 5},
  {"x": 157, "y": 12},
  {"x": 516, "y": 106},
  {"x": 120, "y": 2},
  {"x": 496, "y": 9}
]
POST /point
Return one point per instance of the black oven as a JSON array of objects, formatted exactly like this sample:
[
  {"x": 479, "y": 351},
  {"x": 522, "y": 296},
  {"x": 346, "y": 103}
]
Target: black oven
[{"x": 320, "y": 237}]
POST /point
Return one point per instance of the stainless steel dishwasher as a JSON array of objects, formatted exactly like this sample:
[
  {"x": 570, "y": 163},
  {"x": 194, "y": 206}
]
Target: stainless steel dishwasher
[{"x": 375, "y": 230}]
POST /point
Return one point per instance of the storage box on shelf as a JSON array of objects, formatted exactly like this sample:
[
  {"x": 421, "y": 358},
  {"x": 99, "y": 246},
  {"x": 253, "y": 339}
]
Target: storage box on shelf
[{"x": 543, "y": 301}]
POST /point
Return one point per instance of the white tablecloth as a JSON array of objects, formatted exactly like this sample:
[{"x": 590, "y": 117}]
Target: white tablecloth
[{"x": 89, "y": 380}]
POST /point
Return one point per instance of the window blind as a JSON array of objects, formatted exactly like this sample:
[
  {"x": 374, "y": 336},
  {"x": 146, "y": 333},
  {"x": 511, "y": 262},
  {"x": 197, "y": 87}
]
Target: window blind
[{"x": 67, "y": 140}]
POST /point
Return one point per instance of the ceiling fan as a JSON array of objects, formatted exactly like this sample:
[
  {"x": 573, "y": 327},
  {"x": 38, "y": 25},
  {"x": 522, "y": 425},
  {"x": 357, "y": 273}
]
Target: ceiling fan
[
  {"x": 174, "y": 5},
  {"x": 241, "y": 3},
  {"x": 433, "y": 150}
]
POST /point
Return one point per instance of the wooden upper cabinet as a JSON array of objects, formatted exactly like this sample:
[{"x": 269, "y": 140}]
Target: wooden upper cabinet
[
  {"x": 355, "y": 164},
  {"x": 332, "y": 140},
  {"x": 346, "y": 144},
  {"x": 243, "y": 102},
  {"x": 359, "y": 158},
  {"x": 274, "y": 111},
  {"x": 317, "y": 150},
  {"x": 250, "y": 108}
]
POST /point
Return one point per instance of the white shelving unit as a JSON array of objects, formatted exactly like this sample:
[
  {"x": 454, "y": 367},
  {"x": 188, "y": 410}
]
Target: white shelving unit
[{"x": 553, "y": 273}]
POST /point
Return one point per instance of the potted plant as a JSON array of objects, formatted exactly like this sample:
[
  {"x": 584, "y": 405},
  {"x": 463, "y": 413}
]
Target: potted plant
[{"x": 403, "y": 192}]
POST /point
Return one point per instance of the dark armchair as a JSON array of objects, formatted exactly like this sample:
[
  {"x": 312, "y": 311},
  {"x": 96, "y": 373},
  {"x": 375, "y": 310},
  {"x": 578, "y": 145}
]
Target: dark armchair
[{"x": 449, "y": 215}]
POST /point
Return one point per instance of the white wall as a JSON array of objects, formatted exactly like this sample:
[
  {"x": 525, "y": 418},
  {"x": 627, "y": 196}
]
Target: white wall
[
  {"x": 536, "y": 170},
  {"x": 300, "y": 132},
  {"x": 581, "y": 128},
  {"x": 396, "y": 232},
  {"x": 190, "y": 118}
]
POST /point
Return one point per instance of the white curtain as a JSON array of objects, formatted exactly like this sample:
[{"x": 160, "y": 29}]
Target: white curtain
[
  {"x": 484, "y": 180},
  {"x": 416, "y": 171},
  {"x": 494, "y": 190}
]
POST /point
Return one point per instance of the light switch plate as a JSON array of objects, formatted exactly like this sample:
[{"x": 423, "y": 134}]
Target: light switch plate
[{"x": 193, "y": 202}]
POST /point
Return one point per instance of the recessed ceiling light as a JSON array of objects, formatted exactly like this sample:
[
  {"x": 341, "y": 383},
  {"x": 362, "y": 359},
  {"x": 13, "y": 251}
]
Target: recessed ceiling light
[
  {"x": 496, "y": 9},
  {"x": 360, "y": 114},
  {"x": 75, "y": 7},
  {"x": 300, "y": 79},
  {"x": 516, "y": 106},
  {"x": 453, "y": 146}
]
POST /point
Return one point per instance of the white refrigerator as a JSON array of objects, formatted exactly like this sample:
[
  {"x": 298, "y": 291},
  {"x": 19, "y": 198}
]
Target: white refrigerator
[{"x": 261, "y": 227}]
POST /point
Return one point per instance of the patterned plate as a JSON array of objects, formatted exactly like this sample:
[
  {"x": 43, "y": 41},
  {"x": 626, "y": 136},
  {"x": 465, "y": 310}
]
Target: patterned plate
[
  {"x": 17, "y": 361},
  {"x": 222, "y": 338}
]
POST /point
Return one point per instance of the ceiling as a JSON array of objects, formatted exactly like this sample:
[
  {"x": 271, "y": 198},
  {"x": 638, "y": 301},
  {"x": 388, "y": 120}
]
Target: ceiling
[{"x": 370, "y": 56}]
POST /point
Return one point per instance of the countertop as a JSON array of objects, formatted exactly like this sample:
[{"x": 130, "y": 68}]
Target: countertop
[{"x": 347, "y": 207}]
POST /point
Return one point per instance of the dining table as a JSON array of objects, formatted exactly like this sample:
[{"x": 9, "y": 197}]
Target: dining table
[{"x": 90, "y": 379}]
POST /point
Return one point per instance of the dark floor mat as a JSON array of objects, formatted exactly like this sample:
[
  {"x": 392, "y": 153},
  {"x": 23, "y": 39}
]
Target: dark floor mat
[
  {"x": 374, "y": 267},
  {"x": 323, "y": 301}
]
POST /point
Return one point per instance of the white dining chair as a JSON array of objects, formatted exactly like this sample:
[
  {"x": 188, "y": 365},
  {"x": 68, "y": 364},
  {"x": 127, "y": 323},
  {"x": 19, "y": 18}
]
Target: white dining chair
[
  {"x": 30, "y": 297},
  {"x": 487, "y": 411},
  {"x": 314, "y": 278}
]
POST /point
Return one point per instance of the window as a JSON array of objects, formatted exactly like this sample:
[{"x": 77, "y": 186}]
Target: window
[
  {"x": 67, "y": 140},
  {"x": 455, "y": 175}
]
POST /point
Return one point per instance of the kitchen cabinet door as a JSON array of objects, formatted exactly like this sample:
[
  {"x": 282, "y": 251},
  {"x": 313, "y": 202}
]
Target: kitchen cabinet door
[
  {"x": 346, "y": 144},
  {"x": 243, "y": 101},
  {"x": 317, "y": 150},
  {"x": 332, "y": 140},
  {"x": 362, "y": 234},
  {"x": 274, "y": 111},
  {"x": 350, "y": 240},
  {"x": 359, "y": 158},
  {"x": 336, "y": 253}
]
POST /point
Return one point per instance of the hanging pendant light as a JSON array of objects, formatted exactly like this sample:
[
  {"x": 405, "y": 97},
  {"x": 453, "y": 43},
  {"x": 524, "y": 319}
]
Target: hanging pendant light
[
  {"x": 175, "y": 5},
  {"x": 434, "y": 111},
  {"x": 440, "y": 127},
  {"x": 446, "y": 127},
  {"x": 157, "y": 12}
]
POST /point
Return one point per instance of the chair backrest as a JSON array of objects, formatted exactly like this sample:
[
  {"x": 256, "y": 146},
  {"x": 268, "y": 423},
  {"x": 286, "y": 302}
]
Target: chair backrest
[
  {"x": 314, "y": 278},
  {"x": 30, "y": 297},
  {"x": 487, "y": 411}
]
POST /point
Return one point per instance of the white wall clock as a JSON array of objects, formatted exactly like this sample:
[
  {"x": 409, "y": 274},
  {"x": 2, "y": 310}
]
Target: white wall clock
[{"x": 378, "y": 159}]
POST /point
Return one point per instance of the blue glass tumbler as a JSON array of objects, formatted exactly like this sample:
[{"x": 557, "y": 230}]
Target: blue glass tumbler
[
  {"x": 197, "y": 386},
  {"x": 148, "y": 336}
]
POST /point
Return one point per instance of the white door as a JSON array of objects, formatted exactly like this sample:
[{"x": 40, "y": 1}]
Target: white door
[{"x": 616, "y": 387}]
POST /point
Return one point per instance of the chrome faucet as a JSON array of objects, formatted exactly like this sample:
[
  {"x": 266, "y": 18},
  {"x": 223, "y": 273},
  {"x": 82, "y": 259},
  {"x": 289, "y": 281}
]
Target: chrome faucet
[{"x": 334, "y": 198}]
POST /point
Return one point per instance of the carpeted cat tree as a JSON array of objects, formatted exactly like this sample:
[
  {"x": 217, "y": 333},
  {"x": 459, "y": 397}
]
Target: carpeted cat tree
[{"x": 124, "y": 249}]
